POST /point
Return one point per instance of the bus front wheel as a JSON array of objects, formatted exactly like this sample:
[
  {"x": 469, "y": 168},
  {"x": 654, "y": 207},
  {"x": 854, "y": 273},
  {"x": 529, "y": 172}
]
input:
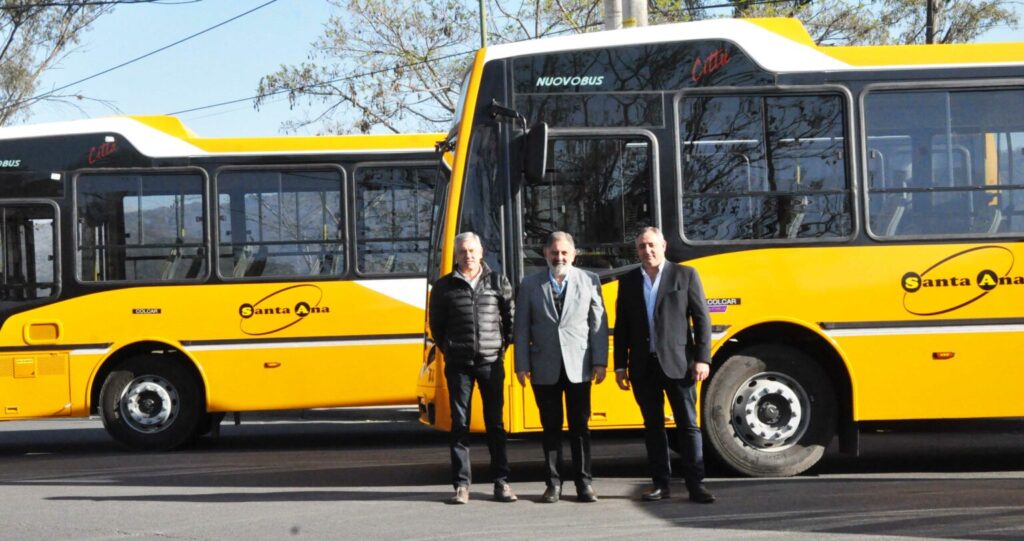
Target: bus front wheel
[
  {"x": 769, "y": 411},
  {"x": 151, "y": 403}
]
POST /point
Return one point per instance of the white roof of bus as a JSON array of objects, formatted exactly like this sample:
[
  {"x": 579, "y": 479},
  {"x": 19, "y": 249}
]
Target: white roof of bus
[
  {"x": 784, "y": 53},
  {"x": 778, "y": 45},
  {"x": 146, "y": 139},
  {"x": 166, "y": 136}
]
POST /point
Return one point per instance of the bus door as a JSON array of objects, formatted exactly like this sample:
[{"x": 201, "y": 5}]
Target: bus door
[
  {"x": 599, "y": 188},
  {"x": 33, "y": 383}
]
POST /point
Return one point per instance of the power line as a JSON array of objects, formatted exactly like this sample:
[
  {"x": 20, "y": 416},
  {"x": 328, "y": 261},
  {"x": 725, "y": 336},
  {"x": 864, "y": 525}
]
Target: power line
[
  {"x": 151, "y": 53},
  {"x": 357, "y": 75},
  {"x": 324, "y": 83},
  {"x": 88, "y": 3}
]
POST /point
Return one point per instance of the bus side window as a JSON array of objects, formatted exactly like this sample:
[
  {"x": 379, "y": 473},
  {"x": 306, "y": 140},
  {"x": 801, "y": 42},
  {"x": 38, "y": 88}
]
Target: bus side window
[
  {"x": 393, "y": 209},
  {"x": 279, "y": 222},
  {"x": 139, "y": 226}
]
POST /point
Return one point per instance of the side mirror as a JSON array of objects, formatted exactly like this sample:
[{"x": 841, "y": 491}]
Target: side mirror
[{"x": 535, "y": 160}]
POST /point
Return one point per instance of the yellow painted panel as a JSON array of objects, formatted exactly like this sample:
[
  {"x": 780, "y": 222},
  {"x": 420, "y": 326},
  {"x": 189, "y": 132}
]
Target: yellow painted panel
[
  {"x": 341, "y": 143},
  {"x": 925, "y": 55},
  {"x": 285, "y": 378},
  {"x": 898, "y": 377},
  {"x": 789, "y": 28},
  {"x": 34, "y": 385},
  {"x": 42, "y": 332}
]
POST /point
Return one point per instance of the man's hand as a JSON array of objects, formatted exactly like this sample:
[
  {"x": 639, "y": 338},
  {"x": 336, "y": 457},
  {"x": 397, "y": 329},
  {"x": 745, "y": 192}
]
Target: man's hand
[
  {"x": 522, "y": 377},
  {"x": 622, "y": 379},
  {"x": 599, "y": 373},
  {"x": 701, "y": 371}
]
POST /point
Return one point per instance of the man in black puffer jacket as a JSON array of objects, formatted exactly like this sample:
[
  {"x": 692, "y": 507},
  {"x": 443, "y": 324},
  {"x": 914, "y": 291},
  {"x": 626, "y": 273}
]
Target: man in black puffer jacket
[{"x": 471, "y": 323}]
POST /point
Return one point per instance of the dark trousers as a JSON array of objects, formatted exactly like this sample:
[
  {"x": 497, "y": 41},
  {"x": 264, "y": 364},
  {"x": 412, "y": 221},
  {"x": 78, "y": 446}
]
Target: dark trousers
[
  {"x": 650, "y": 392},
  {"x": 490, "y": 378},
  {"x": 577, "y": 408}
]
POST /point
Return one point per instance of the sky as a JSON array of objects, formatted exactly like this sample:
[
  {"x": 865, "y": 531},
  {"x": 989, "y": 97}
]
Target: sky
[{"x": 221, "y": 65}]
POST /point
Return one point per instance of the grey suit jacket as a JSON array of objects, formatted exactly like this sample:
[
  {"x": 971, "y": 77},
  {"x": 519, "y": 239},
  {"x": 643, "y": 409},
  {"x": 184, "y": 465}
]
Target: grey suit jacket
[{"x": 544, "y": 342}]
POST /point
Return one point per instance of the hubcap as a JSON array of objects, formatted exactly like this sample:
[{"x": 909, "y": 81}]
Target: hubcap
[
  {"x": 149, "y": 404},
  {"x": 770, "y": 411}
]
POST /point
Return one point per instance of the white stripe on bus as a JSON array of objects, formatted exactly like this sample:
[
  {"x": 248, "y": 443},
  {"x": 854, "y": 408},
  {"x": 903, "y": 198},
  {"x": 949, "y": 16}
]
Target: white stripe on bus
[{"x": 952, "y": 329}]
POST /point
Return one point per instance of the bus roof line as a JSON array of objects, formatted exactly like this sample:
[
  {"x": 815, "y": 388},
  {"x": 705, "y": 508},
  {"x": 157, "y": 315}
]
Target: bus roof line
[
  {"x": 779, "y": 45},
  {"x": 166, "y": 136}
]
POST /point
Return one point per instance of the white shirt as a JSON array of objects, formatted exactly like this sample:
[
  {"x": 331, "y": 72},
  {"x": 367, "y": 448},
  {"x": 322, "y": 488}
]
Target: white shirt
[
  {"x": 650, "y": 297},
  {"x": 472, "y": 283}
]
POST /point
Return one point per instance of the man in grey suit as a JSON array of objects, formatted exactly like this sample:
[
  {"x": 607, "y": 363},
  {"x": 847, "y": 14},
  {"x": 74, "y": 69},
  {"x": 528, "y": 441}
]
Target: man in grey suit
[{"x": 561, "y": 345}]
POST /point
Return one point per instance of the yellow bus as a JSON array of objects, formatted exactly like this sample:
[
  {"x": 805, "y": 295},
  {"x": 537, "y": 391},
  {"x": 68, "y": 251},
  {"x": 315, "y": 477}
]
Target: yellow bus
[
  {"x": 162, "y": 279},
  {"x": 855, "y": 213}
]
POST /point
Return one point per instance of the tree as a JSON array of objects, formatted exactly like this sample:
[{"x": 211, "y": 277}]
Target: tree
[
  {"x": 397, "y": 65},
  {"x": 886, "y": 22},
  {"x": 37, "y": 35}
]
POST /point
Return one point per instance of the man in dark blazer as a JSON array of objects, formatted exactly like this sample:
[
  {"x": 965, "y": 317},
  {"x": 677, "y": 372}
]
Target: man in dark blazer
[
  {"x": 561, "y": 344},
  {"x": 663, "y": 347}
]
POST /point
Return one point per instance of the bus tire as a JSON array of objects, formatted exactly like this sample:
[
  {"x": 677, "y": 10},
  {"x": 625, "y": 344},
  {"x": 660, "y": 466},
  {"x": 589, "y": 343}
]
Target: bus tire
[
  {"x": 769, "y": 411},
  {"x": 151, "y": 403}
]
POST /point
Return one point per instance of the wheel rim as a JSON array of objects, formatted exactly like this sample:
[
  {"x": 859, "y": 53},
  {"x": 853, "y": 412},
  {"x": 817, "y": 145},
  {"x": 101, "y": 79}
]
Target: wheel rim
[
  {"x": 770, "y": 412},
  {"x": 149, "y": 404}
]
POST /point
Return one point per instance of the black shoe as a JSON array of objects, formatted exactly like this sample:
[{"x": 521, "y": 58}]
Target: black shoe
[
  {"x": 503, "y": 493},
  {"x": 586, "y": 494},
  {"x": 656, "y": 493},
  {"x": 700, "y": 494},
  {"x": 551, "y": 494}
]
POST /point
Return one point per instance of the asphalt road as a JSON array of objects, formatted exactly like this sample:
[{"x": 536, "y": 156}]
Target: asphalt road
[{"x": 377, "y": 474}]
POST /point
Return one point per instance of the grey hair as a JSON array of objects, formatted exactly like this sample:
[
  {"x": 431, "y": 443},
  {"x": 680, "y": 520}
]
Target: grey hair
[
  {"x": 556, "y": 236},
  {"x": 650, "y": 229},
  {"x": 467, "y": 236}
]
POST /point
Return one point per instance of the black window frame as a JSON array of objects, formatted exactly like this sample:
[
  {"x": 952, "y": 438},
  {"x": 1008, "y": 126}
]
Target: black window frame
[
  {"x": 850, "y": 148},
  {"x": 206, "y": 236},
  {"x": 343, "y": 188},
  {"x": 930, "y": 85},
  {"x": 441, "y": 205},
  {"x": 354, "y": 219}
]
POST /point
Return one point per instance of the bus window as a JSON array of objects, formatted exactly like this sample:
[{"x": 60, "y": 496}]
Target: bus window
[
  {"x": 28, "y": 238},
  {"x": 949, "y": 161},
  {"x": 596, "y": 188},
  {"x": 280, "y": 223},
  {"x": 763, "y": 168},
  {"x": 482, "y": 197},
  {"x": 393, "y": 207},
  {"x": 140, "y": 227}
]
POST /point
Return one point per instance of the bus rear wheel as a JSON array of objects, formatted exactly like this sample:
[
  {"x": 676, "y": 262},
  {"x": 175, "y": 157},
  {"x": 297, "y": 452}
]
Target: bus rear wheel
[
  {"x": 769, "y": 411},
  {"x": 151, "y": 403}
]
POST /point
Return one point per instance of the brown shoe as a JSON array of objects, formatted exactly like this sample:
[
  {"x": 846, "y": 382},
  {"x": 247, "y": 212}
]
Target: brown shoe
[
  {"x": 461, "y": 496},
  {"x": 503, "y": 493}
]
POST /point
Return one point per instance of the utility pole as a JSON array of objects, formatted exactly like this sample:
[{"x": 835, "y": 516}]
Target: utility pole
[
  {"x": 634, "y": 13},
  {"x": 483, "y": 23},
  {"x": 612, "y": 14},
  {"x": 929, "y": 21}
]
